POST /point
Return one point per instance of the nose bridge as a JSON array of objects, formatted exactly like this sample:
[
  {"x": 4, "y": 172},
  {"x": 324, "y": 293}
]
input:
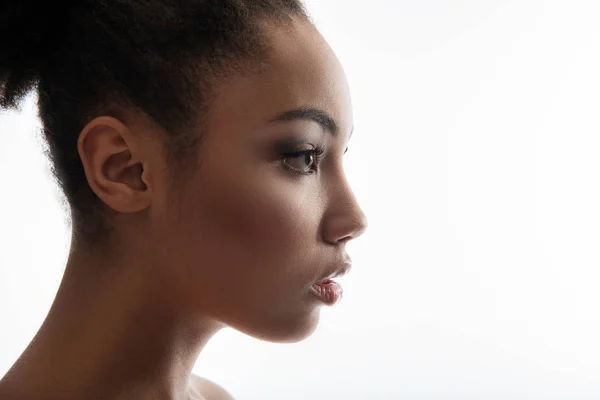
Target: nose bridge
[{"x": 345, "y": 219}]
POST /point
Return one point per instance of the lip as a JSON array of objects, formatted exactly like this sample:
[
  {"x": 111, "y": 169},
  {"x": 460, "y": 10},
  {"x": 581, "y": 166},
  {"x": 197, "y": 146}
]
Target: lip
[
  {"x": 329, "y": 291},
  {"x": 340, "y": 271}
]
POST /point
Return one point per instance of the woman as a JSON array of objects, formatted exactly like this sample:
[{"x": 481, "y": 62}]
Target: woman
[{"x": 199, "y": 145}]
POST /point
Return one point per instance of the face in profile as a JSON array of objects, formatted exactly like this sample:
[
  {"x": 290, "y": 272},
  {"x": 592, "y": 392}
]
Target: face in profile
[{"x": 270, "y": 211}]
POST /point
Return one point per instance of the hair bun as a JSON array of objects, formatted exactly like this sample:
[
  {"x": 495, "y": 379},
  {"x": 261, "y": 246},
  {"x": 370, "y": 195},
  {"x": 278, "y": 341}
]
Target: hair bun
[{"x": 30, "y": 31}]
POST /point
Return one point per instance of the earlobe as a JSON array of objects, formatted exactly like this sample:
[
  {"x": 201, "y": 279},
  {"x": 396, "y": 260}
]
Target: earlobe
[{"x": 110, "y": 158}]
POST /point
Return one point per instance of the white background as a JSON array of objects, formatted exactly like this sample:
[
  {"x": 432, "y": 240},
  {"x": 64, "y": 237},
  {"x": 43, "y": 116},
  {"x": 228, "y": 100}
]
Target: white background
[{"x": 475, "y": 157}]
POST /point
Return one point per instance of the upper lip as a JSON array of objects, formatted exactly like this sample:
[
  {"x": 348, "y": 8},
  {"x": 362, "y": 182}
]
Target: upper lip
[{"x": 341, "y": 270}]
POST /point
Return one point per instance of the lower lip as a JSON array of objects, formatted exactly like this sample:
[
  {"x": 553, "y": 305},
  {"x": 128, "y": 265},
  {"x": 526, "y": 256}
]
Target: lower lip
[{"x": 329, "y": 292}]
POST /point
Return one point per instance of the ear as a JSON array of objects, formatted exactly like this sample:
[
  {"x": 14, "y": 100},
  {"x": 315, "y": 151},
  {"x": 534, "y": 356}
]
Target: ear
[{"x": 113, "y": 161}]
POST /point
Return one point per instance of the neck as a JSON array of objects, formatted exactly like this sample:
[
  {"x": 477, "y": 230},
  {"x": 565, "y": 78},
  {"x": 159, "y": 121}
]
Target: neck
[{"x": 109, "y": 335}]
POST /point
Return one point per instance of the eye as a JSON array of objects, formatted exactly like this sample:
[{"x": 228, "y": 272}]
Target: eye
[{"x": 303, "y": 162}]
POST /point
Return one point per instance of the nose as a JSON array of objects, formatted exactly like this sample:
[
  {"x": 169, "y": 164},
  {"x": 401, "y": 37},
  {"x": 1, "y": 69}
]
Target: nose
[{"x": 344, "y": 219}]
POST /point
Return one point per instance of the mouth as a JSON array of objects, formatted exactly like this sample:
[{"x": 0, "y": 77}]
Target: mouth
[{"x": 328, "y": 290}]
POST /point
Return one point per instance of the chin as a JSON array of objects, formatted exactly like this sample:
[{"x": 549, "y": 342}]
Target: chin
[{"x": 285, "y": 329}]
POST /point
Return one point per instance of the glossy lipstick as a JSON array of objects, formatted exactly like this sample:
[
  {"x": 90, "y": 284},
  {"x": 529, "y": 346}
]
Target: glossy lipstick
[{"x": 328, "y": 291}]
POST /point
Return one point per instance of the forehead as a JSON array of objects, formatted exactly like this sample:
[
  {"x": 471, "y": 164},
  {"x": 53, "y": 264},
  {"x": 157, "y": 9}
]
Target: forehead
[{"x": 302, "y": 71}]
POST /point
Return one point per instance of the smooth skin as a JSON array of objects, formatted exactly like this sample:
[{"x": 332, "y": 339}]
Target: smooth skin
[{"x": 239, "y": 245}]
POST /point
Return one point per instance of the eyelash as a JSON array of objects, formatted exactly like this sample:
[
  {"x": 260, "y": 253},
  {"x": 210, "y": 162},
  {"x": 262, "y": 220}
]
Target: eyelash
[{"x": 317, "y": 153}]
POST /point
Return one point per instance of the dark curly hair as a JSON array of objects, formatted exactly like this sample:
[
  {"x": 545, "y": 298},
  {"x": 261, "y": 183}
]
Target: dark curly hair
[{"x": 162, "y": 58}]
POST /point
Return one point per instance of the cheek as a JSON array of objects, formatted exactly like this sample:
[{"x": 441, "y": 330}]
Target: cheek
[
  {"x": 255, "y": 241},
  {"x": 268, "y": 224}
]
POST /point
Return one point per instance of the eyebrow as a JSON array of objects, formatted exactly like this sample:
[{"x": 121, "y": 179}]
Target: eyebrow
[{"x": 317, "y": 115}]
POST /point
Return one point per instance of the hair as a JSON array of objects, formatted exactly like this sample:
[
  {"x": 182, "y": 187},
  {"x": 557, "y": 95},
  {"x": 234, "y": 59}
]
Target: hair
[{"x": 161, "y": 58}]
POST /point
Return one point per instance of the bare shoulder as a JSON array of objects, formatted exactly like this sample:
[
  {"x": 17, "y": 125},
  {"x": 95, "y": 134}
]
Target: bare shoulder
[{"x": 209, "y": 389}]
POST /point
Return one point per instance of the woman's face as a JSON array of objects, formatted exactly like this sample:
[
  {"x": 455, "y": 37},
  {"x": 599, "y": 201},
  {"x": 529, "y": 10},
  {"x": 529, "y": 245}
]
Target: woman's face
[{"x": 255, "y": 227}]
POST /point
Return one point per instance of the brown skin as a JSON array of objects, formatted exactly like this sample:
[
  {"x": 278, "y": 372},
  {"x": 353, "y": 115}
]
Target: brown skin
[{"x": 240, "y": 245}]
